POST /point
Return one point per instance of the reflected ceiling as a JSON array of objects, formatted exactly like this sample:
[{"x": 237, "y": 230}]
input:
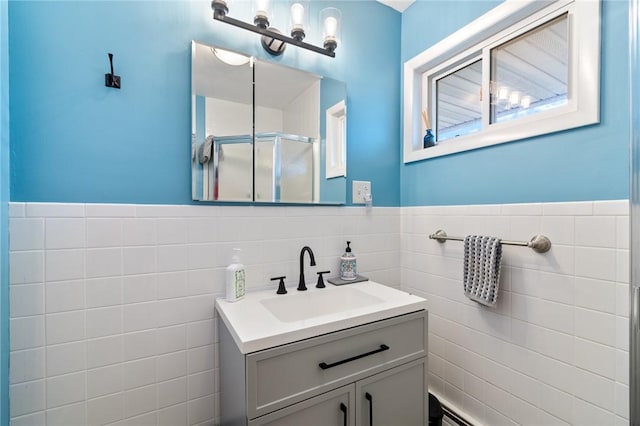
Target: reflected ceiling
[{"x": 268, "y": 95}]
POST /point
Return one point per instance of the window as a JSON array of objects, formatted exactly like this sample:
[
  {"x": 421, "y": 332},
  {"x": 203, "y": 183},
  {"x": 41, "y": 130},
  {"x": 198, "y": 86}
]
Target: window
[
  {"x": 457, "y": 97},
  {"x": 530, "y": 73},
  {"x": 520, "y": 70}
]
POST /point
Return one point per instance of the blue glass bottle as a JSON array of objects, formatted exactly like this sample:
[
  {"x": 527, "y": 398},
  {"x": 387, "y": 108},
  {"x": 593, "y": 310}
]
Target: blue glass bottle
[{"x": 429, "y": 139}]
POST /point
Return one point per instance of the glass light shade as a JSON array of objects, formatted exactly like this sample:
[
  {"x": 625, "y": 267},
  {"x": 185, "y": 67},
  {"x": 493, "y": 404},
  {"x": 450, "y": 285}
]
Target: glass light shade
[
  {"x": 331, "y": 26},
  {"x": 261, "y": 13},
  {"x": 261, "y": 8},
  {"x": 298, "y": 14},
  {"x": 525, "y": 102}
]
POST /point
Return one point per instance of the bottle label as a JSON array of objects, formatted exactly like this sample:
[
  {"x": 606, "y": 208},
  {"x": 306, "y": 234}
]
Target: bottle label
[
  {"x": 239, "y": 283},
  {"x": 348, "y": 269}
]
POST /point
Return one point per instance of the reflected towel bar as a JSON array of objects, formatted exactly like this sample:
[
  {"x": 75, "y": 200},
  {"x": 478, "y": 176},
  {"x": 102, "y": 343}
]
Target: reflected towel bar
[{"x": 540, "y": 243}]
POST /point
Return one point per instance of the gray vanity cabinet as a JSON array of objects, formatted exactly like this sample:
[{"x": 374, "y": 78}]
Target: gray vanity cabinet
[{"x": 325, "y": 380}]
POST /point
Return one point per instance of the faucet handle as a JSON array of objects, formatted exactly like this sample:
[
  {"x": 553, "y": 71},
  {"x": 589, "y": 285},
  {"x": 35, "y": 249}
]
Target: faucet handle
[
  {"x": 320, "y": 283},
  {"x": 281, "y": 287}
]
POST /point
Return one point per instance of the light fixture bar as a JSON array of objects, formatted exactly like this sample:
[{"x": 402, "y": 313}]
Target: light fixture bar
[{"x": 272, "y": 34}]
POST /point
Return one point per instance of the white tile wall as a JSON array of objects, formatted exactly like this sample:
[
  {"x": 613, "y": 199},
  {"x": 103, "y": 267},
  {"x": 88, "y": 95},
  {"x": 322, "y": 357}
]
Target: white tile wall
[
  {"x": 112, "y": 318},
  {"x": 555, "y": 349}
]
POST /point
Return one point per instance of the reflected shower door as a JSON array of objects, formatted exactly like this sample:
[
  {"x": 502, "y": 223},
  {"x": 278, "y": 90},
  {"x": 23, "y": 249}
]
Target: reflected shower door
[{"x": 296, "y": 180}]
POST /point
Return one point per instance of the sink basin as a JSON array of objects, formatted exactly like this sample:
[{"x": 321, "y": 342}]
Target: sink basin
[
  {"x": 306, "y": 305},
  {"x": 263, "y": 319}
]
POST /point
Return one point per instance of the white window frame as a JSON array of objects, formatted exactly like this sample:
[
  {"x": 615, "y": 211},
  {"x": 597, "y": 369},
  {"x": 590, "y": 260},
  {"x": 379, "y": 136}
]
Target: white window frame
[
  {"x": 505, "y": 22},
  {"x": 336, "y": 145}
]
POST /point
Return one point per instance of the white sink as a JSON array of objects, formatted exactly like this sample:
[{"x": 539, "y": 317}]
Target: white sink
[
  {"x": 303, "y": 306},
  {"x": 263, "y": 319}
]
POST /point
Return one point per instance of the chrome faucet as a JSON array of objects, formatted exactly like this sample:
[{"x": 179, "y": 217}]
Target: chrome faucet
[{"x": 301, "y": 284}]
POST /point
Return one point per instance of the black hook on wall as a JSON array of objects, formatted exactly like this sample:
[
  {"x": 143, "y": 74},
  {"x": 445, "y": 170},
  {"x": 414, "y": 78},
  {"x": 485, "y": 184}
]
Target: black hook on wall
[{"x": 112, "y": 80}]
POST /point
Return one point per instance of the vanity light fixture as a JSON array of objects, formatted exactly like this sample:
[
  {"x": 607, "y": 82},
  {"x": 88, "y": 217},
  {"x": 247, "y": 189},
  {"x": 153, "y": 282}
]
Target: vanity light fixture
[{"x": 273, "y": 40}]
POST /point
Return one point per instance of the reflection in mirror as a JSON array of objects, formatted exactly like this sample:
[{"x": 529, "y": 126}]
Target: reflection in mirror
[
  {"x": 295, "y": 115},
  {"x": 284, "y": 168},
  {"x": 291, "y": 134},
  {"x": 333, "y": 140},
  {"x": 336, "y": 137},
  {"x": 222, "y": 125},
  {"x": 287, "y": 120}
]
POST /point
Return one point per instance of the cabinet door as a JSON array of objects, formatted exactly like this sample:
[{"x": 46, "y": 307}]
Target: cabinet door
[
  {"x": 395, "y": 397},
  {"x": 347, "y": 355},
  {"x": 334, "y": 408}
]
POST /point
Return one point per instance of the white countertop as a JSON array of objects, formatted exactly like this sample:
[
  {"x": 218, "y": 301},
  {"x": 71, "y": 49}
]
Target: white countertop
[{"x": 254, "y": 327}]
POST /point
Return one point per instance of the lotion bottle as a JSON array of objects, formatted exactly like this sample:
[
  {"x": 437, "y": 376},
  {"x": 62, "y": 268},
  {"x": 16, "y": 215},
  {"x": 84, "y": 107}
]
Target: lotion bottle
[
  {"x": 235, "y": 278},
  {"x": 348, "y": 265}
]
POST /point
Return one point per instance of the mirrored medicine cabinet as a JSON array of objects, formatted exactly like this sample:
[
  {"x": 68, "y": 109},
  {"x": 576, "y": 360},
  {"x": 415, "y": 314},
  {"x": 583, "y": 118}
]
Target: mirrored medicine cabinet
[{"x": 265, "y": 133}]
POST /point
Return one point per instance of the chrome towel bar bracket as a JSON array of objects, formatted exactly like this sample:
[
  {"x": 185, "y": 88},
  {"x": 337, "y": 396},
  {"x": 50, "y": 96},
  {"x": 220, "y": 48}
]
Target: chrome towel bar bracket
[{"x": 540, "y": 243}]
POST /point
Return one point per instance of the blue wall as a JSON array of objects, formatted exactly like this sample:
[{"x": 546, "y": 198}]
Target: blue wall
[
  {"x": 590, "y": 163},
  {"x": 4, "y": 221},
  {"x": 74, "y": 140}
]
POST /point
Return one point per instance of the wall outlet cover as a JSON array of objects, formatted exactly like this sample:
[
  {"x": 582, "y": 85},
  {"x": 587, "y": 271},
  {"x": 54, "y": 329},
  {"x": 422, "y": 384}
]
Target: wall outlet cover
[{"x": 361, "y": 189}]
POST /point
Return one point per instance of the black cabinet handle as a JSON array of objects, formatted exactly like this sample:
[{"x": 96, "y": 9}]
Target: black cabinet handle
[
  {"x": 369, "y": 398},
  {"x": 343, "y": 408},
  {"x": 382, "y": 348}
]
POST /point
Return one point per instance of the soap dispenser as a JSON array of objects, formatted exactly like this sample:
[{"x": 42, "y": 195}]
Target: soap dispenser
[
  {"x": 348, "y": 264},
  {"x": 235, "y": 278}
]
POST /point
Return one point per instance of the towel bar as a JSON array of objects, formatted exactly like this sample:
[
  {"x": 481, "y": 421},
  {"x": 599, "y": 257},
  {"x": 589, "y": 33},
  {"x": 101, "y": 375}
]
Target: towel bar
[{"x": 540, "y": 243}]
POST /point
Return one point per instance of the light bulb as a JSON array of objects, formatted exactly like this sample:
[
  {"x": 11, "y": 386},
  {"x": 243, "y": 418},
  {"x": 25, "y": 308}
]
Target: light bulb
[
  {"x": 297, "y": 16},
  {"x": 525, "y": 102},
  {"x": 330, "y": 18},
  {"x": 330, "y": 27}
]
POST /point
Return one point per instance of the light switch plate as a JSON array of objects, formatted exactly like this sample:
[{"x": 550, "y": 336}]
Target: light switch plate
[{"x": 360, "y": 189}]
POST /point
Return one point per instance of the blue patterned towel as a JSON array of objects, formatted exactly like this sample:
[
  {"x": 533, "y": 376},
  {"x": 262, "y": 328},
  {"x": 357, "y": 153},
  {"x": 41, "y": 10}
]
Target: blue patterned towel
[{"x": 482, "y": 268}]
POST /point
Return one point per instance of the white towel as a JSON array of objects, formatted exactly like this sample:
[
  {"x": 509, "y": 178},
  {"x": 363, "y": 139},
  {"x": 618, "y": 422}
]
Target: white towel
[
  {"x": 482, "y": 257},
  {"x": 205, "y": 150}
]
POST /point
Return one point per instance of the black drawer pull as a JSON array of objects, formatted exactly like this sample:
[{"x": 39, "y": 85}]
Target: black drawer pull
[
  {"x": 343, "y": 408},
  {"x": 382, "y": 348},
  {"x": 369, "y": 398}
]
